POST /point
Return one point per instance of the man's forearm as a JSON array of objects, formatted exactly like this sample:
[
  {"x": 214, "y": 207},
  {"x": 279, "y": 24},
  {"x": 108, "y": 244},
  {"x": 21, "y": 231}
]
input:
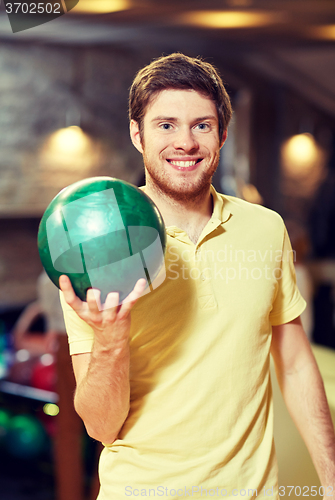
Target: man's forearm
[
  {"x": 102, "y": 376},
  {"x": 305, "y": 398},
  {"x": 102, "y": 397}
]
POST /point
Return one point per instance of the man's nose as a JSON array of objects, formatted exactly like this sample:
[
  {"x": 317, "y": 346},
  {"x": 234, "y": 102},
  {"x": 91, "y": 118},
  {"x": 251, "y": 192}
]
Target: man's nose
[{"x": 185, "y": 140}]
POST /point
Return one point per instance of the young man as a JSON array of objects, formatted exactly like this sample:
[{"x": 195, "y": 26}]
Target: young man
[{"x": 176, "y": 383}]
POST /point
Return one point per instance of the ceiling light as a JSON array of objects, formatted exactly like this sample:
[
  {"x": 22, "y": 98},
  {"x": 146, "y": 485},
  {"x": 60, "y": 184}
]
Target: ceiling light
[
  {"x": 66, "y": 152},
  {"x": 69, "y": 140},
  {"x": 100, "y": 6},
  {"x": 326, "y": 32},
  {"x": 303, "y": 164},
  {"x": 301, "y": 152},
  {"x": 230, "y": 19}
]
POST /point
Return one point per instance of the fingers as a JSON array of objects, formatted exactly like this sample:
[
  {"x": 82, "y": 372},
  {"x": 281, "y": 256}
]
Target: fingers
[
  {"x": 93, "y": 308},
  {"x": 137, "y": 291},
  {"x": 69, "y": 295},
  {"x": 112, "y": 301},
  {"x": 93, "y": 300},
  {"x": 111, "y": 307},
  {"x": 92, "y": 297},
  {"x": 130, "y": 300}
]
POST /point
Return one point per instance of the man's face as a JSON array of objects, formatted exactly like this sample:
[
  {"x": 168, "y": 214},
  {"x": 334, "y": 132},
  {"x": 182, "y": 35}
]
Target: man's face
[{"x": 180, "y": 143}]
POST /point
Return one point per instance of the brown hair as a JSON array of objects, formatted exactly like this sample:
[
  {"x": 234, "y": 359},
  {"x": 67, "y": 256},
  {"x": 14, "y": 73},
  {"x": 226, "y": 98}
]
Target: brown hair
[{"x": 177, "y": 71}]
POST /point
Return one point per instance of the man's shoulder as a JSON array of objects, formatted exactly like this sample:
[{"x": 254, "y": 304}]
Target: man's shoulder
[
  {"x": 250, "y": 211},
  {"x": 238, "y": 205}
]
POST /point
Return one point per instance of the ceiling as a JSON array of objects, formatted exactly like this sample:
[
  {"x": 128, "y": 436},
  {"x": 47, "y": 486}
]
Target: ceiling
[{"x": 292, "y": 41}]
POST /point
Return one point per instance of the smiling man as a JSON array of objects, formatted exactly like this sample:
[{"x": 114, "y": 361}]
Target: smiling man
[
  {"x": 180, "y": 152},
  {"x": 176, "y": 382},
  {"x": 180, "y": 149}
]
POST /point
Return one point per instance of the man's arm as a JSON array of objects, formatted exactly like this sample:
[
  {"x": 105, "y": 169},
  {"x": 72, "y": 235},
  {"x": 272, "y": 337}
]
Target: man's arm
[
  {"x": 304, "y": 395},
  {"x": 102, "y": 376}
]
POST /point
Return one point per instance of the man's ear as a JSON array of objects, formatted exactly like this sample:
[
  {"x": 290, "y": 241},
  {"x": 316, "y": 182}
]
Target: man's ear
[
  {"x": 135, "y": 135},
  {"x": 224, "y": 137}
]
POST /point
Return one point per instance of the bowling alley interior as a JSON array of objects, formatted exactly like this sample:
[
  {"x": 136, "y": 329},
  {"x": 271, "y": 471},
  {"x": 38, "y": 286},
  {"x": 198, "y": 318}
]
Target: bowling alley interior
[{"x": 63, "y": 117}]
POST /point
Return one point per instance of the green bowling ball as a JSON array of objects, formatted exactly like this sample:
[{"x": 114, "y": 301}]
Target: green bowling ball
[
  {"x": 102, "y": 233},
  {"x": 5, "y": 418},
  {"x": 26, "y": 437}
]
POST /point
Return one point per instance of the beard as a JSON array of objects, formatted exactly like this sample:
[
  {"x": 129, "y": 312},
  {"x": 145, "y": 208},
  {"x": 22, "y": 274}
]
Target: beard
[{"x": 184, "y": 190}]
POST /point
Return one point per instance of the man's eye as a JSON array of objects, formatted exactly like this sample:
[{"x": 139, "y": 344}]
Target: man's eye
[
  {"x": 165, "y": 126},
  {"x": 203, "y": 126}
]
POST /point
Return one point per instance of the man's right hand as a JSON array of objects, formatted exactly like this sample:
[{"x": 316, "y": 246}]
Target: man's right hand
[
  {"x": 102, "y": 375},
  {"x": 110, "y": 321}
]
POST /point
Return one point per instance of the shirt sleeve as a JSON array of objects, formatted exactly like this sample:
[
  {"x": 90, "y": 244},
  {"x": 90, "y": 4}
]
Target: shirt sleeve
[
  {"x": 80, "y": 334},
  {"x": 288, "y": 303}
]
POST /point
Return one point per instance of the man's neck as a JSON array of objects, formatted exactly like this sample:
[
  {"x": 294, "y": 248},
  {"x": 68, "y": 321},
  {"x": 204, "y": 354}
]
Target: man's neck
[{"x": 190, "y": 215}]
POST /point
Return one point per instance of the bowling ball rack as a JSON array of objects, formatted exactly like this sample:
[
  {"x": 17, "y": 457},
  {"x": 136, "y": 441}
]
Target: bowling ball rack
[
  {"x": 26, "y": 467},
  {"x": 25, "y": 391}
]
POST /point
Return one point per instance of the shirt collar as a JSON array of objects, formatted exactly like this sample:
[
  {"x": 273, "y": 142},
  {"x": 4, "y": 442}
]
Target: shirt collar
[{"x": 221, "y": 213}]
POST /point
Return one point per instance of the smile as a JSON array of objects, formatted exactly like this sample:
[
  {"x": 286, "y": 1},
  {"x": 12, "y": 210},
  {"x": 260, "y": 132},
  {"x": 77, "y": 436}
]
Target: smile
[{"x": 184, "y": 164}]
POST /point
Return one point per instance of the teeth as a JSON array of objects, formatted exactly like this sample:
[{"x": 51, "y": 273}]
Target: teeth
[{"x": 183, "y": 163}]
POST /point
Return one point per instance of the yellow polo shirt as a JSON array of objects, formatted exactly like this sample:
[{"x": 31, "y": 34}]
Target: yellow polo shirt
[{"x": 201, "y": 417}]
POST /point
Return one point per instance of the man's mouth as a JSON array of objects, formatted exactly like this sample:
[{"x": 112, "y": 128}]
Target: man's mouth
[{"x": 181, "y": 164}]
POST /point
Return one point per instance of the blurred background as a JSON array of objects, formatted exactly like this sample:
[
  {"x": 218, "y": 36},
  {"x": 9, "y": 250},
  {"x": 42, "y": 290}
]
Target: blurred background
[{"x": 63, "y": 117}]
